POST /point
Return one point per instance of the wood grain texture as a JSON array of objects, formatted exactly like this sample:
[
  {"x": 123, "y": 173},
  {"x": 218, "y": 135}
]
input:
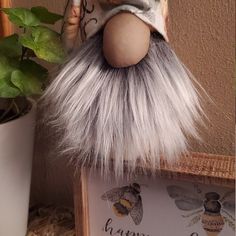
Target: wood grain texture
[
  {"x": 81, "y": 204},
  {"x": 202, "y": 168},
  {"x": 1, "y": 22},
  {"x": 6, "y": 26}
]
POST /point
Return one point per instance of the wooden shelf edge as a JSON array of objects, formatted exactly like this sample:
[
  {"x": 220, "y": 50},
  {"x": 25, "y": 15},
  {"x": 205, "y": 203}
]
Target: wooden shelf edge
[{"x": 202, "y": 168}]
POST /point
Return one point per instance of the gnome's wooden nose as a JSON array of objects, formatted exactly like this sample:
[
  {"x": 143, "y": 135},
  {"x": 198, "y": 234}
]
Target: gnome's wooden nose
[{"x": 126, "y": 40}]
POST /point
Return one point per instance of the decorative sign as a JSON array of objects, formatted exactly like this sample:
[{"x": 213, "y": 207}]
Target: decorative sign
[
  {"x": 145, "y": 207},
  {"x": 160, "y": 206}
]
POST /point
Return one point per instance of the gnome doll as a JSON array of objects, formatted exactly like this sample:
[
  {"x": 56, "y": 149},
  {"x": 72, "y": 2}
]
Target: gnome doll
[{"x": 123, "y": 96}]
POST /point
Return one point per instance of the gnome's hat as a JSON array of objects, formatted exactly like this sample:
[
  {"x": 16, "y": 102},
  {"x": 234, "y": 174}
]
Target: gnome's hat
[{"x": 153, "y": 12}]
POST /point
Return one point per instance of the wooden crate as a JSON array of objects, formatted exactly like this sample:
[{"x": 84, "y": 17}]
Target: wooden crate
[{"x": 201, "y": 168}]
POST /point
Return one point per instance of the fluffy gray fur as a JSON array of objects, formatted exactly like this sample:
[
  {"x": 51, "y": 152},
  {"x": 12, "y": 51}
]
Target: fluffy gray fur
[{"x": 139, "y": 113}]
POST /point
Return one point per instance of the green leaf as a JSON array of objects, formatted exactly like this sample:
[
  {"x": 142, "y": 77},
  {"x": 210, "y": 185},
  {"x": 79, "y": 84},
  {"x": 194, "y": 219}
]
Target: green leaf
[
  {"x": 6, "y": 67},
  {"x": 26, "y": 83},
  {"x": 21, "y": 17},
  {"x": 43, "y": 34},
  {"x": 10, "y": 47},
  {"x": 7, "y": 89},
  {"x": 34, "y": 69},
  {"x": 17, "y": 80},
  {"x": 27, "y": 41},
  {"x": 45, "y": 16},
  {"x": 30, "y": 77},
  {"x": 45, "y": 43}
]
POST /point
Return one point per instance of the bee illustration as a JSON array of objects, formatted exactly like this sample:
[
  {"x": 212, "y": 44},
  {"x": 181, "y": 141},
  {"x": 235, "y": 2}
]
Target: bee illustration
[
  {"x": 211, "y": 209},
  {"x": 126, "y": 201}
]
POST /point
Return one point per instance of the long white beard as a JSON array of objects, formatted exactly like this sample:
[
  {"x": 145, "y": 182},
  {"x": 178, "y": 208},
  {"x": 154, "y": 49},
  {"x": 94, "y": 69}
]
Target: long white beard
[{"x": 128, "y": 115}]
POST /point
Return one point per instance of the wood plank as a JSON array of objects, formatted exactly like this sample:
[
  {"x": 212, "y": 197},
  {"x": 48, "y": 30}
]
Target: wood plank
[
  {"x": 81, "y": 204},
  {"x": 7, "y": 27},
  {"x": 202, "y": 168},
  {"x": 1, "y": 24}
]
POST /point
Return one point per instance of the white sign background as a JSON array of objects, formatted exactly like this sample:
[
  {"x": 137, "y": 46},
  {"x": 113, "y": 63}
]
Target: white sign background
[{"x": 161, "y": 217}]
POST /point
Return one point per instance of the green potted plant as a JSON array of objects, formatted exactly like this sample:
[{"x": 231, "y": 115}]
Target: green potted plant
[{"x": 21, "y": 77}]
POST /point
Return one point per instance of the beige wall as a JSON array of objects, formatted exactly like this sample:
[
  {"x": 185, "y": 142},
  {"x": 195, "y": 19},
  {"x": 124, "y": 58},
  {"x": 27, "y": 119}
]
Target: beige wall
[{"x": 203, "y": 35}]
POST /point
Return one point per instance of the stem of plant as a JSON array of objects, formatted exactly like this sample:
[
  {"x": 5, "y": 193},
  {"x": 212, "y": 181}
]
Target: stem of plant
[
  {"x": 24, "y": 49},
  {"x": 16, "y": 107}
]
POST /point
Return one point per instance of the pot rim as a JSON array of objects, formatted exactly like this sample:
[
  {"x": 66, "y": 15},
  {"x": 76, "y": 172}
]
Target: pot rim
[{"x": 33, "y": 107}]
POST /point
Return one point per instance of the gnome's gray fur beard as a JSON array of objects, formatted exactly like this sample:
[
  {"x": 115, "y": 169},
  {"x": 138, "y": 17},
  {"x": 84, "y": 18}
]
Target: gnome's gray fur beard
[{"x": 128, "y": 115}]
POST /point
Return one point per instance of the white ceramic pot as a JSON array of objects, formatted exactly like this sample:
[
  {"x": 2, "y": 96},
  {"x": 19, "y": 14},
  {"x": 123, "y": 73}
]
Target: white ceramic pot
[{"x": 16, "y": 152}]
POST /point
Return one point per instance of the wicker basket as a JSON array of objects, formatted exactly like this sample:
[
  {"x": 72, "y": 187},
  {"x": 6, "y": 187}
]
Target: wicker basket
[{"x": 51, "y": 221}]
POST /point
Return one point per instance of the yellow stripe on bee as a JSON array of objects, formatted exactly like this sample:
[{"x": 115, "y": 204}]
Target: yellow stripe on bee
[
  {"x": 126, "y": 204},
  {"x": 117, "y": 213}
]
